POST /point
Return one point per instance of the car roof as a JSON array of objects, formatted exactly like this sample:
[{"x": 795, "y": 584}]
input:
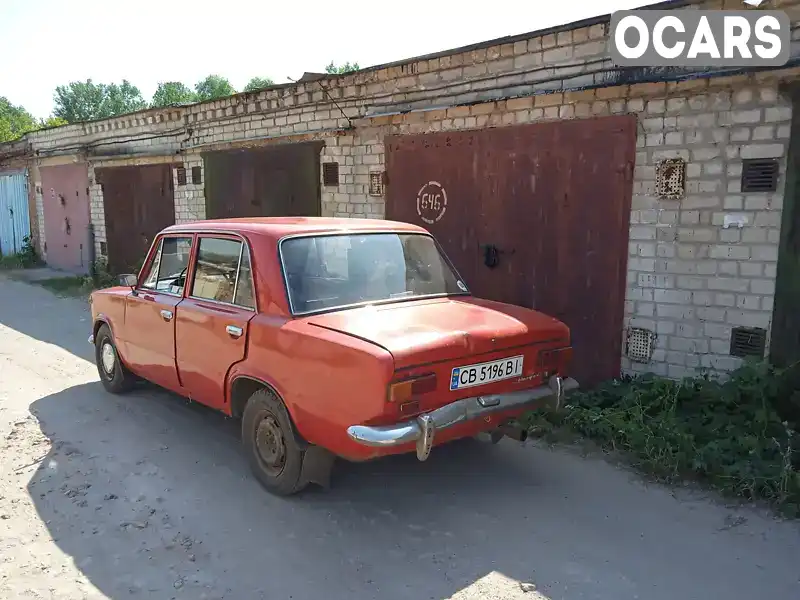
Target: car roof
[{"x": 278, "y": 227}]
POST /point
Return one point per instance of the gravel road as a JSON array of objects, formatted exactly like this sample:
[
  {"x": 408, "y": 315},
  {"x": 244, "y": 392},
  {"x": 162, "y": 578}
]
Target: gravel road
[{"x": 148, "y": 496}]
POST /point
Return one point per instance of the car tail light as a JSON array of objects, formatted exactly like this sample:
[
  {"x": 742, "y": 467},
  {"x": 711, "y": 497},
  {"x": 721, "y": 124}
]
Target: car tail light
[
  {"x": 402, "y": 391},
  {"x": 555, "y": 361}
]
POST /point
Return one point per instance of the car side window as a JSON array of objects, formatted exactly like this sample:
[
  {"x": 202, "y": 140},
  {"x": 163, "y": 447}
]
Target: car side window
[
  {"x": 170, "y": 264},
  {"x": 245, "y": 295},
  {"x": 223, "y": 272}
]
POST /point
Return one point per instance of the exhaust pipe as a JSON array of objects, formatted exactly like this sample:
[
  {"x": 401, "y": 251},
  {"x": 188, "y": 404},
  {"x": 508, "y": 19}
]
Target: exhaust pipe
[{"x": 515, "y": 432}]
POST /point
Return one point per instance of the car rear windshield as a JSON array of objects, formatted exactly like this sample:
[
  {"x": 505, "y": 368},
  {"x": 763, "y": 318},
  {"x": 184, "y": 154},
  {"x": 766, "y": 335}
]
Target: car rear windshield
[{"x": 334, "y": 271}]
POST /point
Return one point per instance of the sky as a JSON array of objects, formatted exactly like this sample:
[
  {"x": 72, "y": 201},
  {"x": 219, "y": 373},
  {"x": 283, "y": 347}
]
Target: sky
[{"x": 46, "y": 43}]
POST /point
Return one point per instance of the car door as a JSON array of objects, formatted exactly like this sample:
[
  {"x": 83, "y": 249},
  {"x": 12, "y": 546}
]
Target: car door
[
  {"x": 151, "y": 310},
  {"x": 212, "y": 323}
]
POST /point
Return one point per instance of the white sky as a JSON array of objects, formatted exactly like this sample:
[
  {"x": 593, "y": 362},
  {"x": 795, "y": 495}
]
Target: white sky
[{"x": 45, "y": 43}]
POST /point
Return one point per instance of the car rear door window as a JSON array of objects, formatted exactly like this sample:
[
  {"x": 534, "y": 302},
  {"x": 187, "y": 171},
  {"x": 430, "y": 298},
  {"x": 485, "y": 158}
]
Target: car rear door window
[
  {"x": 223, "y": 272},
  {"x": 167, "y": 271}
]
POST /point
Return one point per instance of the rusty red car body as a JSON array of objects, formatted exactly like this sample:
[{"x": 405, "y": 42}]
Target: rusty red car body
[{"x": 318, "y": 356}]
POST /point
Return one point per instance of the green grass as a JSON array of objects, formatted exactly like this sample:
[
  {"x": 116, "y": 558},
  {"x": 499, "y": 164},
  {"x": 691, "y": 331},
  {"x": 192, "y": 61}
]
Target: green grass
[
  {"x": 71, "y": 285},
  {"x": 26, "y": 259},
  {"x": 728, "y": 434}
]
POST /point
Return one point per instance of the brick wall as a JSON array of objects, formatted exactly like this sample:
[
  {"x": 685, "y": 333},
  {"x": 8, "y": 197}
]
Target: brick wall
[{"x": 689, "y": 278}]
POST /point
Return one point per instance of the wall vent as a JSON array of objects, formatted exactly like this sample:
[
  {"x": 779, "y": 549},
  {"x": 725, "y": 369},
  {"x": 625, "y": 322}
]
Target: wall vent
[
  {"x": 376, "y": 183},
  {"x": 181, "y": 172},
  {"x": 760, "y": 175},
  {"x": 671, "y": 178},
  {"x": 330, "y": 173},
  {"x": 640, "y": 344},
  {"x": 748, "y": 341},
  {"x": 197, "y": 175}
]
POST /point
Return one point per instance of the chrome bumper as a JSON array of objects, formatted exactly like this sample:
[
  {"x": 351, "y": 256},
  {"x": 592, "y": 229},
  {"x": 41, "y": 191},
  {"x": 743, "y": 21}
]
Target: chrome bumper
[{"x": 423, "y": 428}]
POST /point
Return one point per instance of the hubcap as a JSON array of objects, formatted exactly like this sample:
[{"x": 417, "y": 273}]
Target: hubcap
[
  {"x": 270, "y": 444},
  {"x": 108, "y": 358}
]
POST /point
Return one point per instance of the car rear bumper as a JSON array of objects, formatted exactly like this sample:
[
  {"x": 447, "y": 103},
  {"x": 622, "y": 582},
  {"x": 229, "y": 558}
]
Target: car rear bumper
[{"x": 423, "y": 428}]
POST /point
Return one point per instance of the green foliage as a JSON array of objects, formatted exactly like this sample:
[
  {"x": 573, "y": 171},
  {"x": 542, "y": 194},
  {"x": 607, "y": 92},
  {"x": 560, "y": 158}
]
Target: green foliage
[
  {"x": 341, "y": 69},
  {"x": 100, "y": 275},
  {"x": 727, "y": 433},
  {"x": 85, "y": 100},
  {"x": 258, "y": 83},
  {"x": 172, "y": 92},
  {"x": 213, "y": 86},
  {"x": 52, "y": 121},
  {"x": 15, "y": 121},
  {"x": 24, "y": 259}
]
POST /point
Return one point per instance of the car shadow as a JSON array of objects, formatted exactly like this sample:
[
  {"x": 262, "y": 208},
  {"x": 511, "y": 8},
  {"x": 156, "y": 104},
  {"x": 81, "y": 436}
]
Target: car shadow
[
  {"x": 151, "y": 497},
  {"x": 150, "y": 494}
]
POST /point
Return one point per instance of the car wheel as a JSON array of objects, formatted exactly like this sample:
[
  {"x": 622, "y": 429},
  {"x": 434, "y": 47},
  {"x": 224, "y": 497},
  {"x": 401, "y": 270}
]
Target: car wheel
[
  {"x": 273, "y": 450},
  {"x": 113, "y": 374}
]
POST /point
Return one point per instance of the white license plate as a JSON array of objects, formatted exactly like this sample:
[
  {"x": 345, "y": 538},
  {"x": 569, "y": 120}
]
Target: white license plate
[{"x": 488, "y": 372}]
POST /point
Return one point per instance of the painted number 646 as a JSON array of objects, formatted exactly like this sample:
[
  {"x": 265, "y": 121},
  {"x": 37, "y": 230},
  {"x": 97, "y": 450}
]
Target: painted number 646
[{"x": 431, "y": 201}]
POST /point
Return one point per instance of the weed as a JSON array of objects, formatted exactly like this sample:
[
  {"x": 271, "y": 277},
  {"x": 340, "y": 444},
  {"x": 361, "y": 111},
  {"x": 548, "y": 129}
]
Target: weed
[
  {"x": 725, "y": 432},
  {"x": 24, "y": 259}
]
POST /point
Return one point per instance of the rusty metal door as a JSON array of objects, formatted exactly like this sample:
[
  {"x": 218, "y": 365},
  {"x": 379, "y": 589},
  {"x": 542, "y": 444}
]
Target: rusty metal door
[
  {"x": 273, "y": 181},
  {"x": 65, "y": 198},
  {"x": 535, "y": 215},
  {"x": 139, "y": 202}
]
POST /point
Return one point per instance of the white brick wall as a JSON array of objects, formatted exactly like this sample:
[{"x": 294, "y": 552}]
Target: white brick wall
[
  {"x": 190, "y": 202},
  {"x": 689, "y": 279}
]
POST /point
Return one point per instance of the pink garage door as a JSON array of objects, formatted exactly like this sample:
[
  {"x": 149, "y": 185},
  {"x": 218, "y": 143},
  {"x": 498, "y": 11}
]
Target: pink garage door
[{"x": 65, "y": 194}]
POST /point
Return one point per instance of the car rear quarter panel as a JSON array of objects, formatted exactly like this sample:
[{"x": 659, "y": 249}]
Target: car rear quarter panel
[
  {"x": 108, "y": 306},
  {"x": 328, "y": 380}
]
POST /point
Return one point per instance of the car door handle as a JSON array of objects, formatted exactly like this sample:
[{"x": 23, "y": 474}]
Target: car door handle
[
  {"x": 234, "y": 330},
  {"x": 166, "y": 315}
]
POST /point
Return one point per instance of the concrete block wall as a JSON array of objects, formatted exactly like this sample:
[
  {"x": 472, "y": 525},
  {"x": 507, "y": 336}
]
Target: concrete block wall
[
  {"x": 190, "y": 202},
  {"x": 690, "y": 279}
]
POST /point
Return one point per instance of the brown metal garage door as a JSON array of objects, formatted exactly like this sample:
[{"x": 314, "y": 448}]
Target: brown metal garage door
[
  {"x": 535, "y": 215},
  {"x": 139, "y": 202},
  {"x": 280, "y": 180}
]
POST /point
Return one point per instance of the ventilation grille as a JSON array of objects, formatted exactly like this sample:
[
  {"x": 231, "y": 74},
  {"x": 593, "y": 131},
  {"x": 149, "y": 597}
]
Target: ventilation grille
[
  {"x": 181, "y": 172},
  {"x": 330, "y": 173},
  {"x": 197, "y": 175},
  {"x": 671, "y": 178},
  {"x": 760, "y": 175},
  {"x": 748, "y": 341},
  {"x": 376, "y": 184},
  {"x": 639, "y": 345}
]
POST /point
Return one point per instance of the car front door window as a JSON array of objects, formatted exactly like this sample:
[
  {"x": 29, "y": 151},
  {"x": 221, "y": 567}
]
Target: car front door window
[{"x": 170, "y": 265}]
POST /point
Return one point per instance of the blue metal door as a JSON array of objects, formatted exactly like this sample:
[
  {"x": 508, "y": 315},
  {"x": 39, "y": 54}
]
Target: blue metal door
[{"x": 15, "y": 223}]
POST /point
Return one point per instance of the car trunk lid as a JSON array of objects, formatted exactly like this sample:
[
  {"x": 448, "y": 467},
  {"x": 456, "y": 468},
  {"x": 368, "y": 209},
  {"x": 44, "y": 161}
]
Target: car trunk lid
[{"x": 419, "y": 332}]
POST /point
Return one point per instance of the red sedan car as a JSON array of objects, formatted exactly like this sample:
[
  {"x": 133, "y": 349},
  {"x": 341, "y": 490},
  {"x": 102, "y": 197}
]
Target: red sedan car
[{"x": 328, "y": 338}]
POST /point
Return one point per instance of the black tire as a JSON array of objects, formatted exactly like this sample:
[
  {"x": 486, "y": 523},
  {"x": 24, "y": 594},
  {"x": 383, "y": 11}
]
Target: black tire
[
  {"x": 273, "y": 449},
  {"x": 115, "y": 377}
]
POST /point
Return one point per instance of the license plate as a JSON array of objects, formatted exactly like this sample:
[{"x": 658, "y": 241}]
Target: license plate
[{"x": 488, "y": 372}]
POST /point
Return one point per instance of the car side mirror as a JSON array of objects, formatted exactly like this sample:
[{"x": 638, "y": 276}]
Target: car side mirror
[{"x": 128, "y": 280}]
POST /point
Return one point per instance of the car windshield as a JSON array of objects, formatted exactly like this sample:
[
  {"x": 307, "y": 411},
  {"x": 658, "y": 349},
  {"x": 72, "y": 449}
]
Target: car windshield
[{"x": 334, "y": 271}]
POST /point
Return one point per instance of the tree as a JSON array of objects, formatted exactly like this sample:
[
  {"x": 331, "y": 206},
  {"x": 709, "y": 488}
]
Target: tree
[
  {"x": 86, "y": 100},
  {"x": 341, "y": 69},
  {"x": 15, "y": 121},
  {"x": 172, "y": 92},
  {"x": 52, "y": 121},
  {"x": 213, "y": 86},
  {"x": 258, "y": 83},
  {"x": 122, "y": 98}
]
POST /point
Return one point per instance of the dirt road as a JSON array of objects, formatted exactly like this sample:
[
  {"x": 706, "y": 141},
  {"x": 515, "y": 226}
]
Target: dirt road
[{"x": 146, "y": 496}]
